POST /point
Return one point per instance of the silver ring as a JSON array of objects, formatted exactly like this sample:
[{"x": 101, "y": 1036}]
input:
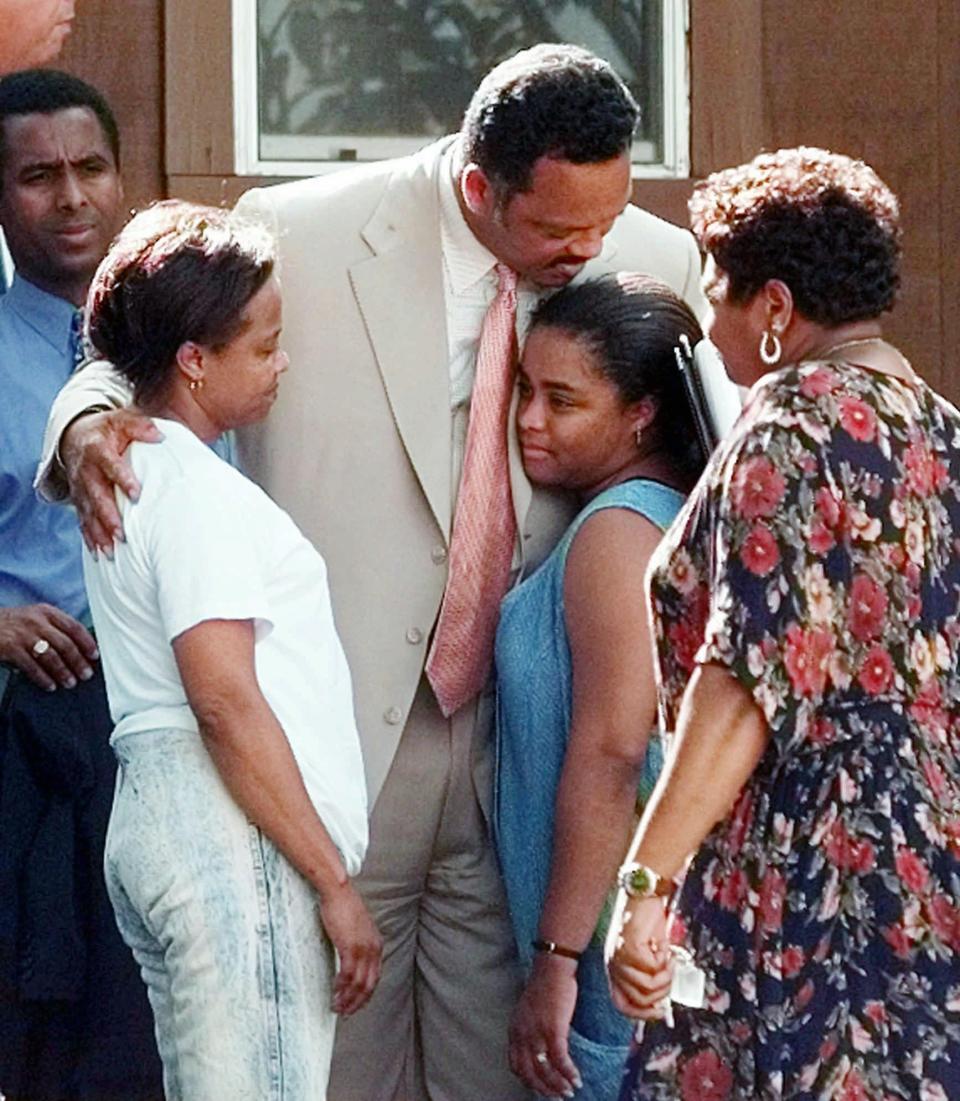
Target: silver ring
[
  {"x": 541, "y": 1057},
  {"x": 40, "y": 647}
]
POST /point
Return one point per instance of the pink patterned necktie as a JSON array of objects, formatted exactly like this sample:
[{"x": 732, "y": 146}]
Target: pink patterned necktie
[{"x": 484, "y": 527}]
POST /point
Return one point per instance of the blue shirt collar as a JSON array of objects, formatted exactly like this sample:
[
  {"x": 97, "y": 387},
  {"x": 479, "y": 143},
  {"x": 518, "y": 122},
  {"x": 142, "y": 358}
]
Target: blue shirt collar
[{"x": 50, "y": 317}]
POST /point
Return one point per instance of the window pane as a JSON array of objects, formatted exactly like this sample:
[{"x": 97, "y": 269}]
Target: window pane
[{"x": 364, "y": 79}]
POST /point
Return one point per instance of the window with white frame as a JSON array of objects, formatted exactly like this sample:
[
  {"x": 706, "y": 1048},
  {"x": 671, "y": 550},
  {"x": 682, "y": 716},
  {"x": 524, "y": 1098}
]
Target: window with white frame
[{"x": 321, "y": 83}]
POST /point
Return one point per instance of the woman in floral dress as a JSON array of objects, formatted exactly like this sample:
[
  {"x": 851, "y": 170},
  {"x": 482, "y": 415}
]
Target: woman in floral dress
[{"x": 807, "y": 618}]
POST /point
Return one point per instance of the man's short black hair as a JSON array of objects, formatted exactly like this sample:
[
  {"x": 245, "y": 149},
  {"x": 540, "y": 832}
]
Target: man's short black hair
[
  {"x": 552, "y": 100},
  {"x": 44, "y": 91}
]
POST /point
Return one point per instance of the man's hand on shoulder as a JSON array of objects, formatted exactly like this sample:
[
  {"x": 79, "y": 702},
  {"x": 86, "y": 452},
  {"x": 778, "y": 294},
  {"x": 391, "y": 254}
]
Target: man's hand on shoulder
[
  {"x": 47, "y": 645},
  {"x": 93, "y": 451}
]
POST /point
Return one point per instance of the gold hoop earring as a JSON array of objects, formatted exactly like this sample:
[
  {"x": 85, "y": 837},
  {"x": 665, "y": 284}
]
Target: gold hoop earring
[{"x": 770, "y": 356}]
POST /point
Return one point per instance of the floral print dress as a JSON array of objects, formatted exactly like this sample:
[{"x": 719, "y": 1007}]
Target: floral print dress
[{"x": 819, "y": 561}]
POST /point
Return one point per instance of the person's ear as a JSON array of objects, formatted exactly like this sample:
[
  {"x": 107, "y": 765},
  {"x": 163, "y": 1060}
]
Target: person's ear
[
  {"x": 190, "y": 363},
  {"x": 477, "y": 191},
  {"x": 642, "y": 414},
  {"x": 777, "y": 302}
]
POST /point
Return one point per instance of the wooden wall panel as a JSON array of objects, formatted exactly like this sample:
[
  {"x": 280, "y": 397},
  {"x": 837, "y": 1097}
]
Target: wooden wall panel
[
  {"x": 214, "y": 190},
  {"x": 117, "y": 45},
  {"x": 727, "y": 102},
  {"x": 861, "y": 78},
  {"x": 872, "y": 78},
  {"x": 947, "y": 147},
  {"x": 199, "y": 88}
]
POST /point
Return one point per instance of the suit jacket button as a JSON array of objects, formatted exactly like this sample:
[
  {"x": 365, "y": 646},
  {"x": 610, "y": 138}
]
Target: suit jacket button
[
  {"x": 439, "y": 555},
  {"x": 414, "y": 636},
  {"x": 393, "y": 715}
]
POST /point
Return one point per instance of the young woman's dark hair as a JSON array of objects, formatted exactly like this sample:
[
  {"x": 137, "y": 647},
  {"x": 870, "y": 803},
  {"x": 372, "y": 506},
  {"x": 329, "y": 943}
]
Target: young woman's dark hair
[
  {"x": 177, "y": 273},
  {"x": 632, "y": 324}
]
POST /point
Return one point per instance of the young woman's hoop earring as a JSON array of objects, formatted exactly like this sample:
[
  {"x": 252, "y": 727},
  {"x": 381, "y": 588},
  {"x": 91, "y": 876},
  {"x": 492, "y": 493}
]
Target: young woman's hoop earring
[{"x": 770, "y": 356}]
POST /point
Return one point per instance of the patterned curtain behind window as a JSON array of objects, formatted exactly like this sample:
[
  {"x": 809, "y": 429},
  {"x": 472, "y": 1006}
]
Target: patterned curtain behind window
[{"x": 407, "y": 67}]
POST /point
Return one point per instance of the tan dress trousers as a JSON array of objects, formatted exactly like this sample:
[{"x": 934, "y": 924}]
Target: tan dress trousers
[{"x": 436, "y": 1027}]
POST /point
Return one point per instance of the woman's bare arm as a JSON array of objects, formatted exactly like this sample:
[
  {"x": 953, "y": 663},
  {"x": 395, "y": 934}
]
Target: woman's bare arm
[
  {"x": 252, "y": 755},
  {"x": 721, "y": 736},
  {"x": 614, "y": 704}
]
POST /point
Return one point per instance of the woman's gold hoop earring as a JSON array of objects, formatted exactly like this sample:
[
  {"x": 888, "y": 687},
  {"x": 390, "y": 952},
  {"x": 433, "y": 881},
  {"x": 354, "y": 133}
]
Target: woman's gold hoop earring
[{"x": 770, "y": 355}]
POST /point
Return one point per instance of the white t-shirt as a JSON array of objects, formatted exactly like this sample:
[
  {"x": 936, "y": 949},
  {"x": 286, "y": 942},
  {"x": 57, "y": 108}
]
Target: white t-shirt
[{"x": 203, "y": 542}]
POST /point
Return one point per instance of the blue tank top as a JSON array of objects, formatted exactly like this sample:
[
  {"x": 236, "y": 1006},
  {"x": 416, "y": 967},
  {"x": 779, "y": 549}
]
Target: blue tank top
[{"x": 534, "y": 698}]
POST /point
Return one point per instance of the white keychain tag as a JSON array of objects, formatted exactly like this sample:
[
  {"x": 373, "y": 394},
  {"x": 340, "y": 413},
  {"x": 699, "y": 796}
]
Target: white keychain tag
[{"x": 687, "y": 988}]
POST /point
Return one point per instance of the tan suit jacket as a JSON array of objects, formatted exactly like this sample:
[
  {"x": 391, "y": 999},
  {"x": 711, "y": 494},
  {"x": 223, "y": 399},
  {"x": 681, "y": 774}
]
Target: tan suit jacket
[{"x": 358, "y": 447}]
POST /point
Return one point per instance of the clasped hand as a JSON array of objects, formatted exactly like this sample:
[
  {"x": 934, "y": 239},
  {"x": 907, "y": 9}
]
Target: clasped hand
[{"x": 639, "y": 961}]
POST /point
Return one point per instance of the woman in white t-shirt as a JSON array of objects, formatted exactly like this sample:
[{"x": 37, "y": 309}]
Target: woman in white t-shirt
[{"x": 240, "y": 811}]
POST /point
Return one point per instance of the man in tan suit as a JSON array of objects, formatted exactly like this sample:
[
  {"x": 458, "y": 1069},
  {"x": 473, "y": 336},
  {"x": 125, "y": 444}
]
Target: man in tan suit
[{"x": 387, "y": 271}]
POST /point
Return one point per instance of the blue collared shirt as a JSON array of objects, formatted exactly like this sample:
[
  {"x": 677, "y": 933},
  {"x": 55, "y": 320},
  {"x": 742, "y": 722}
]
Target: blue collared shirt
[{"x": 39, "y": 545}]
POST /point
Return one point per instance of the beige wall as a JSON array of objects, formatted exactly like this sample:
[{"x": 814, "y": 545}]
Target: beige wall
[{"x": 876, "y": 78}]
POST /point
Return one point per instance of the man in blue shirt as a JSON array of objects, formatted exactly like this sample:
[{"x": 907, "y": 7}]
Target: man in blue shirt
[
  {"x": 60, "y": 205},
  {"x": 74, "y": 1019}
]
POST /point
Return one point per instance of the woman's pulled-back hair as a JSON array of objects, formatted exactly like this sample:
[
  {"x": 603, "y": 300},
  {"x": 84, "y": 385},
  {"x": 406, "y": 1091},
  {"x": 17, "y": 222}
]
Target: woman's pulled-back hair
[
  {"x": 177, "y": 273},
  {"x": 631, "y": 324},
  {"x": 823, "y": 223}
]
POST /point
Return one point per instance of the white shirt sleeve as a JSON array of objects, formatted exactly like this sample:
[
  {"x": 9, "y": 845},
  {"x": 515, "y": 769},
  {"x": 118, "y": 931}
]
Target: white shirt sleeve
[{"x": 204, "y": 558}]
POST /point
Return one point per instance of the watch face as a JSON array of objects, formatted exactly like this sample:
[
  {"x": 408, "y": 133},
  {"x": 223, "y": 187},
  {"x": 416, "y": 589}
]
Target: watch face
[
  {"x": 643, "y": 882},
  {"x": 639, "y": 881}
]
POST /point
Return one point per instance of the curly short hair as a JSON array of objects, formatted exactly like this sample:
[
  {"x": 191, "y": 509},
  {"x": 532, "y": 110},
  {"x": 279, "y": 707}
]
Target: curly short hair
[
  {"x": 553, "y": 100},
  {"x": 178, "y": 272},
  {"x": 631, "y": 324},
  {"x": 823, "y": 223}
]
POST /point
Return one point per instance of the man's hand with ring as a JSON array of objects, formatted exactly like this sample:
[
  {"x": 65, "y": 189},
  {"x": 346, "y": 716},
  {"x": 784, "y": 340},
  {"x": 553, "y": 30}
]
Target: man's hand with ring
[
  {"x": 540, "y": 1028},
  {"x": 47, "y": 645}
]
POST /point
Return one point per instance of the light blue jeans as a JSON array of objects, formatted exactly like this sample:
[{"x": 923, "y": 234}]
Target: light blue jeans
[{"x": 238, "y": 969}]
